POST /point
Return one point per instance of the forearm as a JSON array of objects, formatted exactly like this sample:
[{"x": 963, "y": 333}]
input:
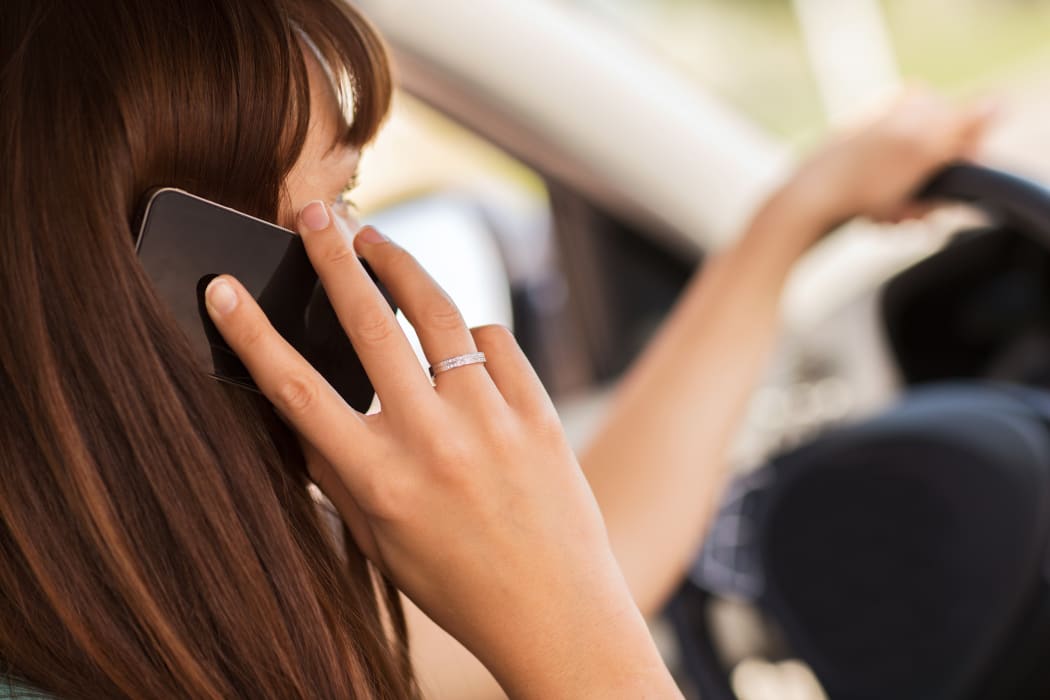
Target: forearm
[
  {"x": 658, "y": 462},
  {"x": 593, "y": 650},
  {"x": 609, "y": 657}
]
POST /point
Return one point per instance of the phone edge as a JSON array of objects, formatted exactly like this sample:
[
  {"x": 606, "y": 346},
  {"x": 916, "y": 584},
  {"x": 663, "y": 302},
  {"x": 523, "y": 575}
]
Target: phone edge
[{"x": 152, "y": 195}]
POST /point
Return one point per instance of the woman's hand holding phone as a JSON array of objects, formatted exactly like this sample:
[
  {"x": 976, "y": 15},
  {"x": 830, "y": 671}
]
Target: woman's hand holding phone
[{"x": 464, "y": 491}]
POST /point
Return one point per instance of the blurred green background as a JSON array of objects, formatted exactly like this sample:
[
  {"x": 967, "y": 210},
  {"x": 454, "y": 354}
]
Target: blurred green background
[{"x": 752, "y": 52}]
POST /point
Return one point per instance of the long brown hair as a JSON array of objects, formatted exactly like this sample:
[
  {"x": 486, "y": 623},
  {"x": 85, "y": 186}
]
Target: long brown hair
[{"x": 157, "y": 534}]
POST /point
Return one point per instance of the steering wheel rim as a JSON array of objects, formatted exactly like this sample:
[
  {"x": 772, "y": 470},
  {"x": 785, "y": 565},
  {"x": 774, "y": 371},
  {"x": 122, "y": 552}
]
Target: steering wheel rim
[
  {"x": 1010, "y": 199},
  {"x": 1015, "y": 200}
]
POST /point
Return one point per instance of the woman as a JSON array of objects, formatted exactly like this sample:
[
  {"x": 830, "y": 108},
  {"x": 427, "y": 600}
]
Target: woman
[{"x": 159, "y": 539}]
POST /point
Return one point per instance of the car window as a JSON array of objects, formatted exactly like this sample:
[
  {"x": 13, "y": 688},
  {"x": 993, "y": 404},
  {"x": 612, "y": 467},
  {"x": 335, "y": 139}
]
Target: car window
[
  {"x": 766, "y": 57},
  {"x": 420, "y": 150},
  {"x": 480, "y": 222},
  {"x": 748, "y": 52},
  {"x": 582, "y": 287}
]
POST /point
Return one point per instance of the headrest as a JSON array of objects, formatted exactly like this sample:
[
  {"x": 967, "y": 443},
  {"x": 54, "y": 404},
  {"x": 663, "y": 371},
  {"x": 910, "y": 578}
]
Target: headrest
[{"x": 899, "y": 554}]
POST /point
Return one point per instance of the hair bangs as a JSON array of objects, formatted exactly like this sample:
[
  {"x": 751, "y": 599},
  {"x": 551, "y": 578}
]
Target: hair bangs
[{"x": 356, "y": 61}]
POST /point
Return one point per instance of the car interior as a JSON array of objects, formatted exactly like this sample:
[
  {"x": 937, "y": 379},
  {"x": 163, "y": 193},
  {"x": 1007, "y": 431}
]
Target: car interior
[{"x": 937, "y": 406}]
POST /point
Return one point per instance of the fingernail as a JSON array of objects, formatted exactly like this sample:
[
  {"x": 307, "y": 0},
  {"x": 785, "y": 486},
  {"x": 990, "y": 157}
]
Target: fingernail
[
  {"x": 371, "y": 235},
  {"x": 314, "y": 216},
  {"x": 221, "y": 297}
]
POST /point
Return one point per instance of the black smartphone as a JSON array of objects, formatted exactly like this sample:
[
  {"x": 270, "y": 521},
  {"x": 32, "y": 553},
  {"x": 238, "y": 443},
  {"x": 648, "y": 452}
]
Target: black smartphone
[{"x": 185, "y": 241}]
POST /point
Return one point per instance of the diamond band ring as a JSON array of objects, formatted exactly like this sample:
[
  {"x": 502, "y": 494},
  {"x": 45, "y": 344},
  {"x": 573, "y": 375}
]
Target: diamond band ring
[{"x": 472, "y": 358}]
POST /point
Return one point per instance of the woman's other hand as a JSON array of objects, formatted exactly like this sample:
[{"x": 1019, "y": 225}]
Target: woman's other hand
[
  {"x": 659, "y": 460},
  {"x": 876, "y": 168},
  {"x": 465, "y": 492}
]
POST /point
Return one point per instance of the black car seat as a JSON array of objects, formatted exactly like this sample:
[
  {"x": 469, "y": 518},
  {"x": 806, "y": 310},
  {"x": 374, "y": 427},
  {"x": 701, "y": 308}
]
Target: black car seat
[
  {"x": 903, "y": 558},
  {"x": 907, "y": 557}
]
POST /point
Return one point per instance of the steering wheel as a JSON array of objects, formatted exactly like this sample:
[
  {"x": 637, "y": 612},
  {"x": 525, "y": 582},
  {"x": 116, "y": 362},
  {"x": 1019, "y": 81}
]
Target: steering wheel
[
  {"x": 1013, "y": 200},
  {"x": 980, "y": 307},
  {"x": 730, "y": 564}
]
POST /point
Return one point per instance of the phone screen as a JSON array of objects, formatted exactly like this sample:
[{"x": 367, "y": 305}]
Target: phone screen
[{"x": 185, "y": 241}]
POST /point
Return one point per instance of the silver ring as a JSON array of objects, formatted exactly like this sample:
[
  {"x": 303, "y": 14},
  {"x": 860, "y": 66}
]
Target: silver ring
[{"x": 472, "y": 358}]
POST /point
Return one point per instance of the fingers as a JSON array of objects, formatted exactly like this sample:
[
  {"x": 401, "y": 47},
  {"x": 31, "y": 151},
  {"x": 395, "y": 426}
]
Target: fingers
[
  {"x": 364, "y": 314},
  {"x": 435, "y": 317},
  {"x": 302, "y": 396},
  {"x": 511, "y": 371},
  {"x": 959, "y": 130},
  {"x": 910, "y": 211},
  {"x": 428, "y": 308},
  {"x": 978, "y": 119},
  {"x": 953, "y": 132}
]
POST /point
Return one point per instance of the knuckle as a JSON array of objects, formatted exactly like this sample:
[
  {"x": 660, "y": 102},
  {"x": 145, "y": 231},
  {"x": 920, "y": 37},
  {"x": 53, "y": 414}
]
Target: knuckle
[
  {"x": 449, "y": 474},
  {"x": 449, "y": 452},
  {"x": 902, "y": 132},
  {"x": 546, "y": 424},
  {"x": 338, "y": 252},
  {"x": 443, "y": 314},
  {"x": 494, "y": 335},
  {"x": 386, "y": 497},
  {"x": 372, "y": 326},
  {"x": 251, "y": 336},
  {"x": 938, "y": 148},
  {"x": 450, "y": 457},
  {"x": 397, "y": 257},
  {"x": 932, "y": 151},
  {"x": 296, "y": 394},
  {"x": 391, "y": 259},
  {"x": 541, "y": 421},
  {"x": 914, "y": 148},
  {"x": 503, "y": 438}
]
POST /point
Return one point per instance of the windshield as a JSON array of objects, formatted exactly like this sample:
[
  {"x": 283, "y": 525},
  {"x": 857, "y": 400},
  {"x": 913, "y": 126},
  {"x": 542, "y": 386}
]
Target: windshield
[{"x": 794, "y": 65}]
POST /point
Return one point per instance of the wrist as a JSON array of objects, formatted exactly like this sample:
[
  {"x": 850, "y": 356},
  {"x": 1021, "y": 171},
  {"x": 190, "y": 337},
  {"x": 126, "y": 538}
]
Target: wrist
[
  {"x": 593, "y": 644},
  {"x": 791, "y": 220}
]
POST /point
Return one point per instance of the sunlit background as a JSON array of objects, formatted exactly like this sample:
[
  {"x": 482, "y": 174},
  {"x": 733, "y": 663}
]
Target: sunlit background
[
  {"x": 780, "y": 65},
  {"x": 780, "y": 74},
  {"x": 563, "y": 166}
]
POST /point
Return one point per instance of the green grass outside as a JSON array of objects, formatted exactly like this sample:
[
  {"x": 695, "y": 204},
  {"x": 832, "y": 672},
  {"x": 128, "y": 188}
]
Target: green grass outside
[{"x": 750, "y": 52}]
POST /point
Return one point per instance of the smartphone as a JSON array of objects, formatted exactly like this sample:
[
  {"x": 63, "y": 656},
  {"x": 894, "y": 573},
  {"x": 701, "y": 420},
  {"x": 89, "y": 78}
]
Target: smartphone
[{"x": 184, "y": 241}]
